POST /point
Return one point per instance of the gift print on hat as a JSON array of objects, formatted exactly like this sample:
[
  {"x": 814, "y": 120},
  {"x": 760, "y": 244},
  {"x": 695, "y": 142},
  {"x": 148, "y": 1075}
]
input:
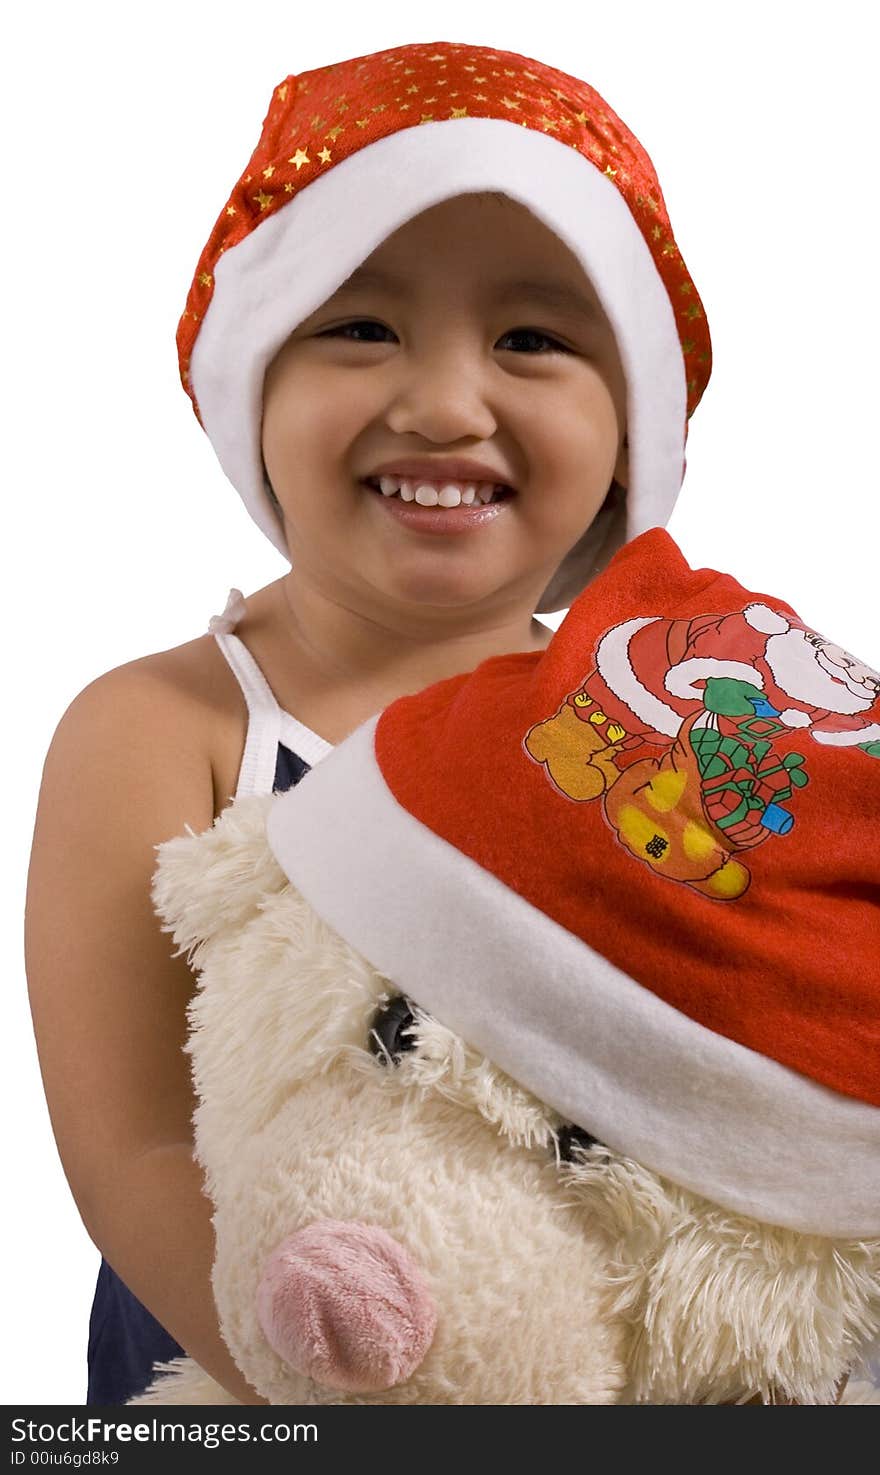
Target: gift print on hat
[{"x": 718, "y": 695}]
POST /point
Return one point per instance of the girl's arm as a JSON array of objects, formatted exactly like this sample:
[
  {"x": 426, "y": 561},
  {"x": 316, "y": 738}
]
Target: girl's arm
[{"x": 128, "y": 767}]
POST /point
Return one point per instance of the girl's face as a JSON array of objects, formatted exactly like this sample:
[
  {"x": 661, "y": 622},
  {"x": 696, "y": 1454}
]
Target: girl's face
[{"x": 478, "y": 337}]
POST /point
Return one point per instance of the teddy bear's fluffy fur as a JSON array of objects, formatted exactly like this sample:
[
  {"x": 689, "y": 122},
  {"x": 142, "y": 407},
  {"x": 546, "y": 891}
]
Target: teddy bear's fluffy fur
[{"x": 588, "y": 1281}]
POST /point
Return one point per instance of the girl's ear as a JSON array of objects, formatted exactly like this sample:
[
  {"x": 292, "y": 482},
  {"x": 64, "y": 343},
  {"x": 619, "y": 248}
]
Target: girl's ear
[{"x": 621, "y": 465}]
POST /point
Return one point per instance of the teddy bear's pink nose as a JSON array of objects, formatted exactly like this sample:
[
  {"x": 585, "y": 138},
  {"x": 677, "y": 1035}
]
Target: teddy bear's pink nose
[{"x": 346, "y": 1305}]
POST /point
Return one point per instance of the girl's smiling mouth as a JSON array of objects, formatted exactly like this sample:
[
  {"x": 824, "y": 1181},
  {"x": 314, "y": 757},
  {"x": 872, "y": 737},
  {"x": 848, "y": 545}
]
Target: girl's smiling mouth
[{"x": 439, "y": 506}]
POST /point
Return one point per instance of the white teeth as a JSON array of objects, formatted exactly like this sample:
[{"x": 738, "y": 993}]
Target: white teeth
[{"x": 428, "y": 494}]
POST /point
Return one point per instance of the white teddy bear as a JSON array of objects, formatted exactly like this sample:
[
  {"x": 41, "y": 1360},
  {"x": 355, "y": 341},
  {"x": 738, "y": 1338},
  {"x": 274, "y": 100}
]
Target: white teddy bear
[
  {"x": 517, "y": 1083},
  {"x": 399, "y": 1222}
]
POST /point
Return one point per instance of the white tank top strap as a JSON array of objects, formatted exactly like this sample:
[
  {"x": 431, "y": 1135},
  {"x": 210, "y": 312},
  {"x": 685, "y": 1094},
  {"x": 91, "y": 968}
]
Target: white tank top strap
[
  {"x": 268, "y": 723},
  {"x": 301, "y": 740},
  {"x": 257, "y": 772}
]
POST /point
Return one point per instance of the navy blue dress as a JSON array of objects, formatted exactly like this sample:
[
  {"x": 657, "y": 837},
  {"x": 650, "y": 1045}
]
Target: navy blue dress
[{"x": 124, "y": 1338}]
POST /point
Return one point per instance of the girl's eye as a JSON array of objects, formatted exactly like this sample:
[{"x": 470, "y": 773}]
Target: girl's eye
[
  {"x": 348, "y": 328},
  {"x": 357, "y": 327},
  {"x": 555, "y": 345}
]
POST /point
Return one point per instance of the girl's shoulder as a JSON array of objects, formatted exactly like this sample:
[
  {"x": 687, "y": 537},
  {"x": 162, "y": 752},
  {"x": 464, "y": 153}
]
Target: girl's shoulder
[
  {"x": 201, "y": 692},
  {"x": 202, "y": 686},
  {"x": 186, "y": 694}
]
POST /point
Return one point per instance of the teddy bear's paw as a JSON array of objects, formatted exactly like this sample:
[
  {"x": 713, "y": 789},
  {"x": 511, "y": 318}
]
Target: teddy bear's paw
[
  {"x": 182, "y": 1381},
  {"x": 343, "y": 1303}
]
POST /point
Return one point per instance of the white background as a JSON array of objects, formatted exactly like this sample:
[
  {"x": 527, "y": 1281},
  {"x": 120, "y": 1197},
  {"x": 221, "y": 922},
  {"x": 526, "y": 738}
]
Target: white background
[{"x": 124, "y": 130}]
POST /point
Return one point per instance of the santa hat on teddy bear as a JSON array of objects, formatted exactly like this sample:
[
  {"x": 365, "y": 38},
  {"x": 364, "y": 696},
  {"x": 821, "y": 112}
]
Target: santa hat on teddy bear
[
  {"x": 351, "y": 151},
  {"x": 639, "y": 870}
]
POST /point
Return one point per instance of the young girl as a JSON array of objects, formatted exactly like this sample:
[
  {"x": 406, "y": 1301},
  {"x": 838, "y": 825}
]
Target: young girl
[{"x": 445, "y": 346}]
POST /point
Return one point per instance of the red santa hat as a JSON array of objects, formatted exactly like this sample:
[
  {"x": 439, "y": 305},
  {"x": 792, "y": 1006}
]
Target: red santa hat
[
  {"x": 639, "y": 870},
  {"x": 349, "y": 152}
]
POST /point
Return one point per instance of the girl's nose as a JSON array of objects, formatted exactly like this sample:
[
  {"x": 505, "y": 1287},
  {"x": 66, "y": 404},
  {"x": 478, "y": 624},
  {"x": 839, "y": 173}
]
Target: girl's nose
[
  {"x": 443, "y": 401},
  {"x": 347, "y": 1306}
]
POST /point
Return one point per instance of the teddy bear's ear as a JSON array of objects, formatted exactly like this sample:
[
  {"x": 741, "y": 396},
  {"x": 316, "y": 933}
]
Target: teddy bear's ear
[{"x": 212, "y": 883}]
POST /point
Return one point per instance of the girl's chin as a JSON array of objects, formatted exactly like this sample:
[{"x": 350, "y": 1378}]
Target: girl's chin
[
  {"x": 437, "y": 594},
  {"x": 486, "y": 566},
  {"x": 470, "y": 591}
]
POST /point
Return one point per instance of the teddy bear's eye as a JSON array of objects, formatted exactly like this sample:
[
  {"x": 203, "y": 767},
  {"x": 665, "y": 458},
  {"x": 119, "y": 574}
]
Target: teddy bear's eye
[
  {"x": 569, "y": 1138},
  {"x": 391, "y": 1032}
]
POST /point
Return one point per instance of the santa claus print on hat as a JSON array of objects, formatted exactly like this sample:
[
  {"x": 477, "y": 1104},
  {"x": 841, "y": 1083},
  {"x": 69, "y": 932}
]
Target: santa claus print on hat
[{"x": 680, "y": 728}]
